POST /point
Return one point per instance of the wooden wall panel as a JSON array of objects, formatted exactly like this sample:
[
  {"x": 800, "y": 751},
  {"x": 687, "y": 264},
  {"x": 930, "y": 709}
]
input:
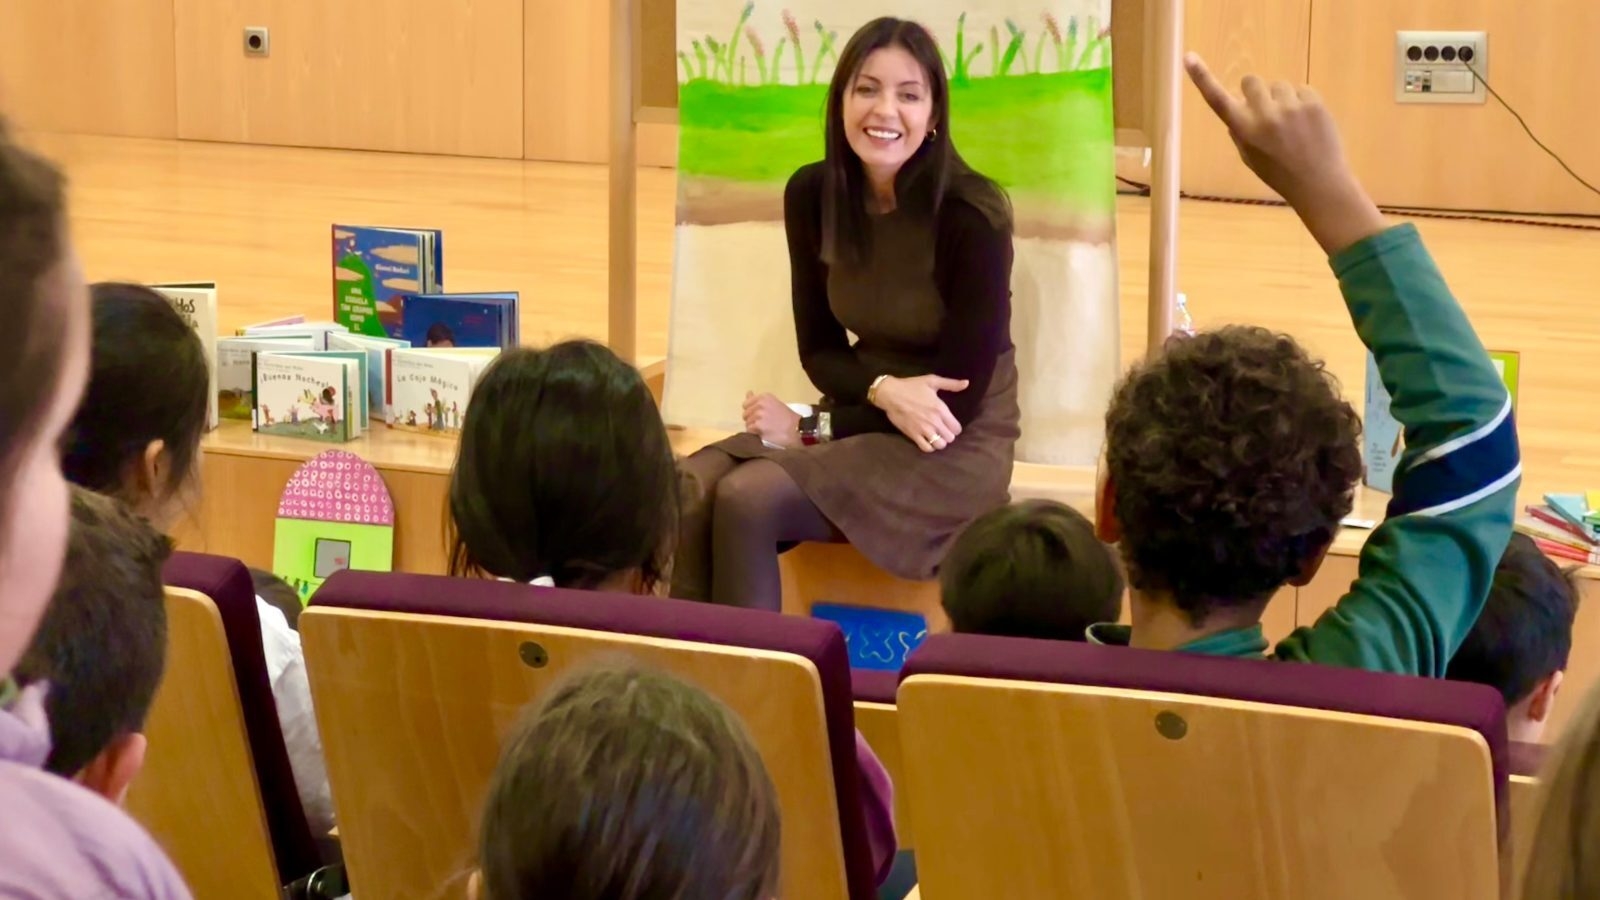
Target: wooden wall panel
[
  {"x": 1237, "y": 37},
  {"x": 88, "y": 66},
  {"x": 567, "y": 80},
  {"x": 1541, "y": 59},
  {"x": 406, "y": 75}
]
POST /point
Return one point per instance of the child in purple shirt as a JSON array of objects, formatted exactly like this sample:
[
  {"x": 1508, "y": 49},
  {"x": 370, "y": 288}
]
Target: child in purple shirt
[{"x": 57, "y": 839}]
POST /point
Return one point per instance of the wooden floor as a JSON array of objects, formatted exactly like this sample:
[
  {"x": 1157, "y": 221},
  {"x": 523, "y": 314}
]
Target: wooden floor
[{"x": 256, "y": 219}]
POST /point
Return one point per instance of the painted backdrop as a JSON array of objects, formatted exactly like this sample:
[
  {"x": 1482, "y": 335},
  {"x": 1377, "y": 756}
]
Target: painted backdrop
[{"x": 1031, "y": 108}]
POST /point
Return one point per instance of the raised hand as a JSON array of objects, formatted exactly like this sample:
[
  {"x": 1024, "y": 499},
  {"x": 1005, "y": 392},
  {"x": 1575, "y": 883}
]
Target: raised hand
[
  {"x": 1289, "y": 139},
  {"x": 914, "y": 407}
]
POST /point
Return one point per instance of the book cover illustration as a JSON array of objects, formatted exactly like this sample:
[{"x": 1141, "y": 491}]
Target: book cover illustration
[
  {"x": 335, "y": 513},
  {"x": 235, "y": 370},
  {"x": 196, "y": 302},
  {"x": 297, "y": 396},
  {"x": 374, "y": 269},
  {"x": 460, "y": 320},
  {"x": 429, "y": 389},
  {"x": 1383, "y": 440},
  {"x": 356, "y": 397}
]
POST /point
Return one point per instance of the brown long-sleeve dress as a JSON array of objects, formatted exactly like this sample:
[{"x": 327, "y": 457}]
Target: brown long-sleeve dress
[{"x": 934, "y": 298}]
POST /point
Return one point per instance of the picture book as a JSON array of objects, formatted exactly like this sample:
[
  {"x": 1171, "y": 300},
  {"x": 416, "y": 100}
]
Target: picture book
[
  {"x": 197, "y": 303},
  {"x": 374, "y": 269},
  {"x": 317, "y": 331},
  {"x": 335, "y": 513},
  {"x": 360, "y": 410},
  {"x": 429, "y": 388},
  {"x": 377, "y": 350},
  {"x": 305, "y": 396},
  {"x": 1383, "y": 440},
  {"x": 461, "y": 320},
  {"x": 235, "y": 375}
]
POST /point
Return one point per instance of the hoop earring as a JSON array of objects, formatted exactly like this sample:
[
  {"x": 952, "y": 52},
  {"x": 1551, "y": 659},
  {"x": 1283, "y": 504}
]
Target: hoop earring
[{"x": 933, "y": 134}]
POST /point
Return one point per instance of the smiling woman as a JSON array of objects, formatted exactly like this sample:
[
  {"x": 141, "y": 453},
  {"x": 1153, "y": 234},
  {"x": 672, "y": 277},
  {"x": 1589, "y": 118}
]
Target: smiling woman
[{"x": 894, "y": 238}]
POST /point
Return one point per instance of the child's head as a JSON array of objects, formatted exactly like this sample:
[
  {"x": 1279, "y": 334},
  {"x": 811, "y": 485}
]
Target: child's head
[
  {"x": 137, "y": 434},
  {"x": 1230, "y": 460},
  {"x": 626, "y": 784},
  {"x": 1520, "y": 642},
  {"x": 565, "y": 472},
  {"x": 102, "y": 645},
  {"x": 44, "y": 361},
  {"x": 278, "y": 595},
  {"x": 1033, "y": 569}
]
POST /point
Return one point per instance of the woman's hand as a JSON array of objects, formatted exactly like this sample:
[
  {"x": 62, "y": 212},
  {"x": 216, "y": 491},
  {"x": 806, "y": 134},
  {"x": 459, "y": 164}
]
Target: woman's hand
[
  {"x": 772, "y": 419},
  {"x": 914, "y": 407}
]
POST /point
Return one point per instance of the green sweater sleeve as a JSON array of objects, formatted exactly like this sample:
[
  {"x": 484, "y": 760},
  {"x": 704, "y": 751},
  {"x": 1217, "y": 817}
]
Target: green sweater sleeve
[{"x": 1425, "y": 571}]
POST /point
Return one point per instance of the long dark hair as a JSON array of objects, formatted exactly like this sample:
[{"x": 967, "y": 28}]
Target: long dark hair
[
  {"x": 624, "y": 783},
  {"x": 565, "y": 472},
  {"x": 148, "y": 382},
  {"x": 32, "y": 241},
  {"x": 934, "y": 172}
]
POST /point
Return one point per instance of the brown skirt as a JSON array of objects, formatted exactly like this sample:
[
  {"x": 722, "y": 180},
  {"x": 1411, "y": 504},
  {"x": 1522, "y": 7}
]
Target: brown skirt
[{"x": 899, "y": 506}]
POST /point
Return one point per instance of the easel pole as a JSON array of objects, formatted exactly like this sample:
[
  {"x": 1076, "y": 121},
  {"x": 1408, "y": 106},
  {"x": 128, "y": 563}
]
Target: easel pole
[
  {"x": 622, "y": 255},
  {"x": 1164, "y": 43}
]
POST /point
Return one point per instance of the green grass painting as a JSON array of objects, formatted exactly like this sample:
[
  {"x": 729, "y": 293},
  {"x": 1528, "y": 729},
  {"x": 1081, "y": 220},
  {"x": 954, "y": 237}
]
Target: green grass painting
[{"x": 1046, "y": 136}]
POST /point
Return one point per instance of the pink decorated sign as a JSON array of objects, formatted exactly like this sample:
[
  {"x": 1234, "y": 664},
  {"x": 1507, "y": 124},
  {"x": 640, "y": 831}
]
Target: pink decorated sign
[{"x": 337, "y": 486}]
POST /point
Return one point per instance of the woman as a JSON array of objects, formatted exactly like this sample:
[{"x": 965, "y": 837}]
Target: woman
[
  {"x": 894, "y": 238},
  {"x": 56, "y": 838},
  {"x": 136, "y": 437}
]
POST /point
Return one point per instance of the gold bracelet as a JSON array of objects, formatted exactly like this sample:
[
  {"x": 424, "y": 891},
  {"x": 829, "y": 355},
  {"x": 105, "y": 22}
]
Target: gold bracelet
[{"x": 872, "y": 390}]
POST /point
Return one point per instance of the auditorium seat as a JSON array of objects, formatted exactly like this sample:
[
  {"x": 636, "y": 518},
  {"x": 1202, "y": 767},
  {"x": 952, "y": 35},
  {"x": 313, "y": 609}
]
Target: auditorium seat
[
  {"x": 417, "y": 678},
  {"x": 216, "y": 789},
  {"x": 1050, "y": 769},
  {"x": 874, "y": 691}
]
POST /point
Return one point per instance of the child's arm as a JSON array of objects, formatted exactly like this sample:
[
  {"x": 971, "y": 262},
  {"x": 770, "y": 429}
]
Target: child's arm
[{"x": 1425, "y": 572}]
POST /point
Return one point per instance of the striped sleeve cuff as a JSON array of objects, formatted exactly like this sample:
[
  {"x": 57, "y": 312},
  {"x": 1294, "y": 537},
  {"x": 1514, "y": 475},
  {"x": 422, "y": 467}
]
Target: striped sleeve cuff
[{"x": 1460, "y": 471}]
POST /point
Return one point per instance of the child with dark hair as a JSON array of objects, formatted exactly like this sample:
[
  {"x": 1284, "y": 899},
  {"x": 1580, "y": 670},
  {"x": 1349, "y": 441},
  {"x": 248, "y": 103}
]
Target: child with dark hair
[
  {"x": 626, "y": 784},
  {"x": 565, "y": 474},
  {"x": 137, "y": 436},
  {"x": 566, "y": 478},
  {"x": 56, "y": 838},
  {"x": 1231, "y": 459},
  {"x": 102, "y": 645},
  {"x": 1032, "y": 569},
  {"x": 1520, "y": 642}
]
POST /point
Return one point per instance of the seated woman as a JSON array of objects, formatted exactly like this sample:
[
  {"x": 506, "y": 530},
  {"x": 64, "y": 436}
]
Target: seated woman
[
  {"x": 566, "y": 478},
  {"x": 893, "y": 237},
  {"x": 137, "y": 437}
]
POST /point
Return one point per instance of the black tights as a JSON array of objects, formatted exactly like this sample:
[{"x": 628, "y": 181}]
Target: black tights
[{"x": 736, "y": 515}]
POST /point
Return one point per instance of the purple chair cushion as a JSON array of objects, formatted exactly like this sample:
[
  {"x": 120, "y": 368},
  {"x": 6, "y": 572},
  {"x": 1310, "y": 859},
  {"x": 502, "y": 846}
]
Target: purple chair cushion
[
  {"x": 816, "y": 640},
  {"x": 874, "y": 685},
  {"x": 1462, "y": 704},
  {"x": 227, "y": 582}
]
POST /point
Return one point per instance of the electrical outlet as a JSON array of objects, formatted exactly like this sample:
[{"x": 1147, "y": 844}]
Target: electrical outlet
[
  {"x": 257, "y": 42},
  {"x": 1440, "y": 66}
]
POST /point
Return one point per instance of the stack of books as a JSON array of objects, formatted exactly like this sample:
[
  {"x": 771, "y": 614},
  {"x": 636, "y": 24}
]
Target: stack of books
[{"x": 1566, "y": 527}]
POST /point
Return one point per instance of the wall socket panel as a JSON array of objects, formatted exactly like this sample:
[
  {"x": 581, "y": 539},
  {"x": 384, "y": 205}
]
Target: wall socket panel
[
  {"x": 257, "y": 41},
  {"x": 1438, "y": 66}
]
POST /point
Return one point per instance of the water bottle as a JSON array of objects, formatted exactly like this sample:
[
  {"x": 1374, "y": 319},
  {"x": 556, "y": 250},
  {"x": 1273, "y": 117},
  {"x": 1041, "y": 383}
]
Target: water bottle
[{"x": 1182, "y": 323}]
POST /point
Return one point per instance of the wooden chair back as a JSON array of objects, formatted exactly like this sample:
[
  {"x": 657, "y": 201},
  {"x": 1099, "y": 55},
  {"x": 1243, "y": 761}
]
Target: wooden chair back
[
  {"x": 198, "y": 794},
  {"x": 1030, "y": 789},
  {"x": 413, "y": 709}
]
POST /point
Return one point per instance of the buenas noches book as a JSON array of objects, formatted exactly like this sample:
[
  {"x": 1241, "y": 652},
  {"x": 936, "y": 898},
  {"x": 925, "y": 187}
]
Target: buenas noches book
[{"x": 307, "y": 396}]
